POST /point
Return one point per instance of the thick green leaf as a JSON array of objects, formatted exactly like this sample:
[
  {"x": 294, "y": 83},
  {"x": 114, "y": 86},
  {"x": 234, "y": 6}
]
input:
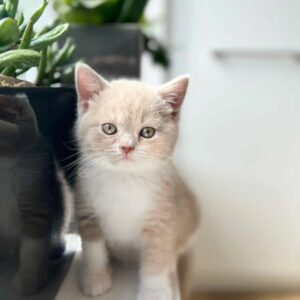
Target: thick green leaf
[
  {"x": 19, "y": 59},
  {"x": 106, "y": 12},
  {"x": 3, "y": 12},
  {"x": 70, "y": 2},
  {"x": 64, "y": 54},
  {"x": 20, "y": 19},
  {"x": 11, "y": 7},
  {"x": 28, "y": 32},
  {"x": 132, "y": 11},
  {"x": 157, "y": 50},
  {"x": 38, "y": 13},
  {"x": 48, "y": 38},
  {"x": 4, "y": 48},
  {"x": 9, "y": 32}
]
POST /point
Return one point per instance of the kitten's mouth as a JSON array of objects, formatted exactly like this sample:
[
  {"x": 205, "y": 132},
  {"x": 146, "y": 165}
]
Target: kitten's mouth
[{"x": 126, "y": 158}]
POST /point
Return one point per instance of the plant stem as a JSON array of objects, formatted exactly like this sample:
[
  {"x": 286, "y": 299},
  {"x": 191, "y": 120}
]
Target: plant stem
[
  {"x": 42, "y": 67},
  {"x": 25, "y": 42}
]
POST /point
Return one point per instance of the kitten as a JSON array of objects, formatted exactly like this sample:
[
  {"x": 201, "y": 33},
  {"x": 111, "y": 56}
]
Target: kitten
[
  {"x": 30, "y": 198},
  {"x": 131, "y": 202}
]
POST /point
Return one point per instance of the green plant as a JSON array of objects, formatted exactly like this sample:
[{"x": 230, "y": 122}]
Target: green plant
[
  {"x": 100, "y": 12},
  {"x": 21, "y": 48}
]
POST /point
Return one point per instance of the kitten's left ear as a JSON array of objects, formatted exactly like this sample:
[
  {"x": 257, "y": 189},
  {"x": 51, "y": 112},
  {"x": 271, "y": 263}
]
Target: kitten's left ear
[
  {"x": 88, "y": 83},
  {"x": 173, "y": 92}
]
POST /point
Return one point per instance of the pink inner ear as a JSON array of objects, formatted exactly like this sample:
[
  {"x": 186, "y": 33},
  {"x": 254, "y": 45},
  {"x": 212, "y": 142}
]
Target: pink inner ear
[
  {"x": 86, "y": 92},
  {"x": 174, "y": 92},
  {"x": 88, "y": 83},
  {"x": 177, "y": 100},
  {"x": 87, "y": 89}
]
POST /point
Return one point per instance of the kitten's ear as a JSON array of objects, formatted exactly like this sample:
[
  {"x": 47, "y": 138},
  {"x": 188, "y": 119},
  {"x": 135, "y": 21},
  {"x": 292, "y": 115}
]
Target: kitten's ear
[
  {"x": 88, "y": 83},
  {"x": 173, "y": 92}
]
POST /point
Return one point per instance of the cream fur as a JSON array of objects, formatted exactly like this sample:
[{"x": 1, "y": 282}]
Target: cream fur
[{"x": 138, "y": 204}]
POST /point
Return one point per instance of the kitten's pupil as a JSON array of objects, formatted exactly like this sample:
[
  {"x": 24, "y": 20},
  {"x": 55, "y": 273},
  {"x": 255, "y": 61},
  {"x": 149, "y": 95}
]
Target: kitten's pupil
[
  {"x": 147, "y": 132},
  {"x": 109, "y": 128}
]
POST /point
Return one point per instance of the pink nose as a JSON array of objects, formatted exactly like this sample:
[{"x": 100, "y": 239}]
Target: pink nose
[{"x": 127, "y": 149}]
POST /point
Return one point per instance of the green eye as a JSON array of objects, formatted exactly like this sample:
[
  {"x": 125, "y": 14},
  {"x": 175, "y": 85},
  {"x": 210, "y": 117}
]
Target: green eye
[
  {"x": 109, "y": 128},
  {"x": 147, "y": 132}
]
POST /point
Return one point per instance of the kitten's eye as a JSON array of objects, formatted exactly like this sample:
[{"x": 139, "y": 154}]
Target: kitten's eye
[
  {"x": 109, "y": 129},
  {"x": 147, "y": 132}
]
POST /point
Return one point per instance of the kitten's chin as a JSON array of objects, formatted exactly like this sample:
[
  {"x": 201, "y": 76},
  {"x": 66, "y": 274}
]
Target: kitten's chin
[
  {"x": 129, "y": 164},
  {"x": 133, "y": 165}
]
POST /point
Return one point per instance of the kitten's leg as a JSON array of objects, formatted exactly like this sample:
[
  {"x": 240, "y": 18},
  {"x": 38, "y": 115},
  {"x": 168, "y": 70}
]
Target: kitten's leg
[
  {"x": 158, "y": 263},
  {"x": 95, "y": 275}
]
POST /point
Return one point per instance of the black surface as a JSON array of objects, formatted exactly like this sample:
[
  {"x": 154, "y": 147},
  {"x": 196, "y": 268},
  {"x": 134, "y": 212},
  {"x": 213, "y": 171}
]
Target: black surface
[
  {"x": 55, "y": 109},
  {"x": 57, "y": 270}
]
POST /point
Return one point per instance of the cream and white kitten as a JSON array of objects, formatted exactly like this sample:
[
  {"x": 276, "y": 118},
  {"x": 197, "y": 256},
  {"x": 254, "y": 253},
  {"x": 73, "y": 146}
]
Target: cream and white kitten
[{"x": 131, "y": 202}]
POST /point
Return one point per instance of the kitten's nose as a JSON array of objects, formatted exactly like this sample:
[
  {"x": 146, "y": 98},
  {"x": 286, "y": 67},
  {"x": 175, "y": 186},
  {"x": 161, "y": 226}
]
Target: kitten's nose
[{"x": 126, "y": 149}]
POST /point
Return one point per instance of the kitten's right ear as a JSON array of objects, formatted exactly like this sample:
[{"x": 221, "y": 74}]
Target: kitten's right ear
[{"x": 88, "y": 83}]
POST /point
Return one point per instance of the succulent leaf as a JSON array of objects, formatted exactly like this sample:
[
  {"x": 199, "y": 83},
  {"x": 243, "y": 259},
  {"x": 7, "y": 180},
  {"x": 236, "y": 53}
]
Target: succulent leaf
[
  {"x": 19, "y": 58},
  {"x": 9, "y": 32},
  {"x": 49, "y": 37}
]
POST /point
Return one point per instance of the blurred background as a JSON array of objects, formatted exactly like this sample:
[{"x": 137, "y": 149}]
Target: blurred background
[{"x": 239, "y": 145}]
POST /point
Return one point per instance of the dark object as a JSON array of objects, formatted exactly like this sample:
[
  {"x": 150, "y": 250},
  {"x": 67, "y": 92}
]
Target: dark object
[
  {"x": 132, "y": 11},
  {"x": 57, "y": 270},
  {"x": 112, "y": 50},
  {"x": 157, "y": 50},
  {"x": 55, "y": 109},
  {"x": 113, "y": 12},
  {"x": 31, "y": 195}
]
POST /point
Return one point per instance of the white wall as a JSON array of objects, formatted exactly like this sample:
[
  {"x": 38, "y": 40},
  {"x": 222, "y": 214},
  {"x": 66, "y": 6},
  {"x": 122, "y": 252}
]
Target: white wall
[
  {"x": 156, "y": 14},
  {"x": 29, "y": 6},
  {"x": 240, "y": 139}
]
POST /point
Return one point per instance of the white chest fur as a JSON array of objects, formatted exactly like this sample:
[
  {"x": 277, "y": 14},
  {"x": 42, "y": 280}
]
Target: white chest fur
[{"x": 122, "y": 202}]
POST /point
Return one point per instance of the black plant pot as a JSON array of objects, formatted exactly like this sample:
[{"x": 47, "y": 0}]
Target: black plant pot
[
  {"x": 55, "y": 109},
  {"x": 112, "y": 50}
]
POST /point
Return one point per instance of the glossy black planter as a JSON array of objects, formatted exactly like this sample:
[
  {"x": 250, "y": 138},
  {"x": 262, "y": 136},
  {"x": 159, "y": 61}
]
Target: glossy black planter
[
  {"x": 112, "y": 50},
  {"x": 55, "y": 109}
]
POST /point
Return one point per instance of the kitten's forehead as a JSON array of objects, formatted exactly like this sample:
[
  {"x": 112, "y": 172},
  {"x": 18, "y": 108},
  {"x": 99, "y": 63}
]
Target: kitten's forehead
[{"x": 126, "y": 99}]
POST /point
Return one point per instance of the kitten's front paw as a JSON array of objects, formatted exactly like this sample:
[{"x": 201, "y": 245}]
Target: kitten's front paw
[
  {"x": 95, "y": 284},
  {"x": 155, "y": 294},
  {"x": 29, "y": 283}
]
